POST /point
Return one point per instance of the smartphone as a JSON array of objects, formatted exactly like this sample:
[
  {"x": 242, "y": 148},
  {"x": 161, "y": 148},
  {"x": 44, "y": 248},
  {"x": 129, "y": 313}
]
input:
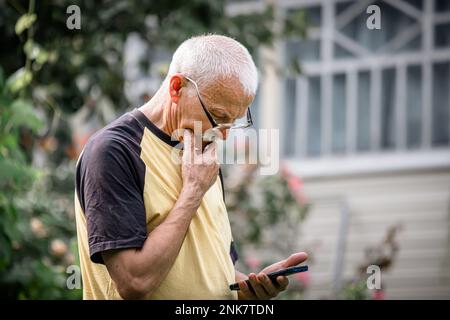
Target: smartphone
[{"x": 273, "y": 275}]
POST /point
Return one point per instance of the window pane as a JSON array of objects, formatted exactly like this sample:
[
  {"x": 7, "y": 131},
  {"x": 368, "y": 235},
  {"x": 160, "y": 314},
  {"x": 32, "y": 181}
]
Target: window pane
[
  {"x": 414, "y": 44},
  {"x": 416, "y": 3},
  {"x": 363, "y": 128},
  {"x": 289, "y": 118},
  {"x": 442, "y": 35},
  {"x": 388, "y": 109},
  {"x": 441, "y": 102},
  {"x": 393, "y": 22},
  {"x": 442, "y": 5},
  {"x": 303, "y": 49},
  {"x": 341, "y": 53},
  {"x": 314, "y": 117},
  {"x": 339, "y": 114},
  {"x": 414, "y": 106}
]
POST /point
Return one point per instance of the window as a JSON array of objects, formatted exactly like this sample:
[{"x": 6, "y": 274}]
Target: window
[{"x": 364, "y": 90}]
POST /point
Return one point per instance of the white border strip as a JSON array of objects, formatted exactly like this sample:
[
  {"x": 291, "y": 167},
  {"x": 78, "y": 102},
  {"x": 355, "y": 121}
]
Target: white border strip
[{"x": 370, "y": 164}]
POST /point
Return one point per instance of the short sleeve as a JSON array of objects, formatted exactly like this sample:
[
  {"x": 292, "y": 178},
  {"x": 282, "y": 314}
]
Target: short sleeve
[
  {"x": 233, "y": 253},
  {"x": 110, "y": 193}
]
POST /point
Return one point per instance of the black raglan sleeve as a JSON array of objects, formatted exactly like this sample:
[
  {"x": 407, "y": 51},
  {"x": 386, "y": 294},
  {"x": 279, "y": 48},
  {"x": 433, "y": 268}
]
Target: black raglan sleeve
[{"x": 111, "y": 195}]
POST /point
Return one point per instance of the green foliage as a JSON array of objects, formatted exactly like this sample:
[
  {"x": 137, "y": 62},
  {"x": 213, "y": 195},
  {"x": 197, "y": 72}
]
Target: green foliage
[
  {"x": 296, "y": 23},
  {"x": 94, "y": 53},
  {"x": 17, "y": 115},
  {"x": 263, "y": 203},
  {"x": 30, "y": 220},
  {"x": 356, "y": 290}
]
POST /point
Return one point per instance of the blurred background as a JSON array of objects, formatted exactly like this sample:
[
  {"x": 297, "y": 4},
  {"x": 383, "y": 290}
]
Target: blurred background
[{"x": 363, "y": 115}]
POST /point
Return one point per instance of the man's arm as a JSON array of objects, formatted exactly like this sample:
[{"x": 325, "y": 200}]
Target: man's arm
[{"x": 137, "y": 273}]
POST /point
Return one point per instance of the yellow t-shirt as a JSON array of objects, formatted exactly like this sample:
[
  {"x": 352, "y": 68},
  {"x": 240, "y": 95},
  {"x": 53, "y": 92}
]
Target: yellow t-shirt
[{"x": 126, "y": 185}]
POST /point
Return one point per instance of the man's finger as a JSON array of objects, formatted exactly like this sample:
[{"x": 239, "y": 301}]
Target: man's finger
[
  {"x": 283, "y": 282},
  {"x": 292, "y": 260},
  {"x": 246, "y": 290},
  {"x": 295, "y": 259},
  {"x": 259, "y": 290},
  {"x": 268, "y": 285}
]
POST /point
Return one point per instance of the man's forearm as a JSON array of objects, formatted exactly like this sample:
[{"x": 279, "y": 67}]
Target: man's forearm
[{"x": 146, "y": 268}]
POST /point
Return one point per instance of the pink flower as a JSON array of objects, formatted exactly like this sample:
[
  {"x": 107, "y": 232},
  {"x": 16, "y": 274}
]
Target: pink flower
[
  {"x": 253, "y": 262},
  {"x": 303, "y": 278},
  {"x": 295, "y": 184}
]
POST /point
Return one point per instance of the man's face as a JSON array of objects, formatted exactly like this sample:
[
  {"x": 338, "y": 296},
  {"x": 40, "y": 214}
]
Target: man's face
[{"x": 225, "y": 100}]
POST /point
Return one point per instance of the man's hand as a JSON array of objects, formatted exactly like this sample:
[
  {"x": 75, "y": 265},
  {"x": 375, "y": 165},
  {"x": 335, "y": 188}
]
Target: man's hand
[
  {"x": 262, "y": 286},
  {"x": 199, "y": 169}
]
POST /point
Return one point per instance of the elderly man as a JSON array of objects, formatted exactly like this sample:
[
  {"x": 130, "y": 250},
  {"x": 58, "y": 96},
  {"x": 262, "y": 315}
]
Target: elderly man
[{"x": 149, "y": 227}]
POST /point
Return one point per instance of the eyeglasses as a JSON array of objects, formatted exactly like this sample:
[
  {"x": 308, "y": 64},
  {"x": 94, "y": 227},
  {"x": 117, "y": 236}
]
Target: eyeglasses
[{"x": 216, "y": 125}]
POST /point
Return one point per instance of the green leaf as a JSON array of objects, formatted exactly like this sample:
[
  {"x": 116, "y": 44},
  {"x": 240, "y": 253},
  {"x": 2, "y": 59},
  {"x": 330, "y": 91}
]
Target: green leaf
[
  {"x": 19, "y": 80},
  {"x": 35, "y": 52},
  {"x": 2, "y": 79},
  {"x": 5, "y": 253},
  {"x": 42, "y": 57},
  {"x": 23, "y": 114},
  {"x": 24, "y": 22},
  {"x": 31, "y": 49},
  {"x": 7, "y": 141},
  {"x": 10, "y": 171},
  {"x": 10, "y": 224}
]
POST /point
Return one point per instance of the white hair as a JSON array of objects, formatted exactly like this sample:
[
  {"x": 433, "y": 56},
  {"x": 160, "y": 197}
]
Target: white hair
[{"x": 209, "y": 57}]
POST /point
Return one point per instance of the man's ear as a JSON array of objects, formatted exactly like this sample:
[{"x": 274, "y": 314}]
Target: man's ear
[{"x": 175, "y": 84}]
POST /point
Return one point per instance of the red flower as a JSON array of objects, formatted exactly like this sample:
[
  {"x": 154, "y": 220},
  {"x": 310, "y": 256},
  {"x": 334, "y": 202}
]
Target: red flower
[{"x": 378, "y": 295}]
